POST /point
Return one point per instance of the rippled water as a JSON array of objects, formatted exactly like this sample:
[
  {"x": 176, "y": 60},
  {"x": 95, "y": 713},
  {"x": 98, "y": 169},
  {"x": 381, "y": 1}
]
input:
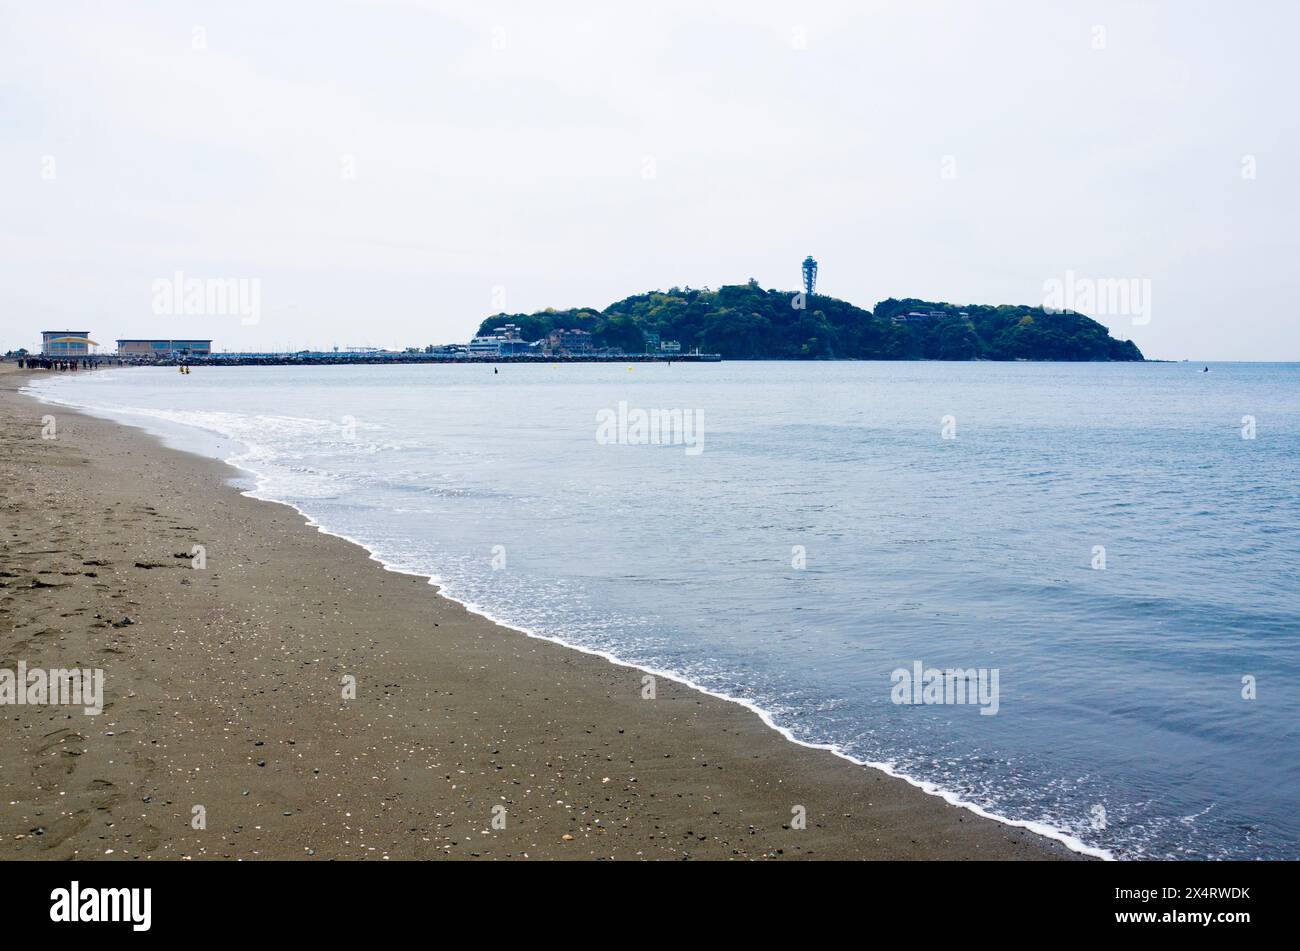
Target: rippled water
[{"x": 1121, "y": 721}]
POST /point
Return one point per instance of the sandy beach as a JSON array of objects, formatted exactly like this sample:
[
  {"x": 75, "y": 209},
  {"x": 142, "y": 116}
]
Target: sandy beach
[{"x": 225, "y": 689}]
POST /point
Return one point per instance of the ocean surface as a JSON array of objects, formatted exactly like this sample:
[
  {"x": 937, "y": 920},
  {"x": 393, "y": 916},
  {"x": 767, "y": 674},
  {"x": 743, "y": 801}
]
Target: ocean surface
[{"x": 822, "y": 534}]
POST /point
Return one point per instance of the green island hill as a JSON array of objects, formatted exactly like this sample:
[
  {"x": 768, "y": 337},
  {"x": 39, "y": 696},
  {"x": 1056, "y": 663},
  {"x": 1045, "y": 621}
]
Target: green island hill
[{"x": 746, "y": 322}]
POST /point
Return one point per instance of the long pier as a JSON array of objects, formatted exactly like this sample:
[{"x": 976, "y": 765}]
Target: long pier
[{"x": 320, "y": 359}]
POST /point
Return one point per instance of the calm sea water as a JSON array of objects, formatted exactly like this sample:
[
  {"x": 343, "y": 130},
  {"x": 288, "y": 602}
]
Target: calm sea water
[{"x": 1121, "y": 722}]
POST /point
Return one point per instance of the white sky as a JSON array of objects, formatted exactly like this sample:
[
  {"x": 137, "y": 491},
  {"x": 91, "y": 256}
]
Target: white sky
[{"x": 523, "y": 167}]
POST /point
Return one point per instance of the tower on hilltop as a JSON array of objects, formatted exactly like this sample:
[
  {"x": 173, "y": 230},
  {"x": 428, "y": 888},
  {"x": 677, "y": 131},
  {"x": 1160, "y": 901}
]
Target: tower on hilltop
[{"x": 809, "y": 274}]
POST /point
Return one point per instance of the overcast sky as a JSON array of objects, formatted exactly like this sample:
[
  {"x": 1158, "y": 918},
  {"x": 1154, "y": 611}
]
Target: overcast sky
[{"x": 381, "y": 167}]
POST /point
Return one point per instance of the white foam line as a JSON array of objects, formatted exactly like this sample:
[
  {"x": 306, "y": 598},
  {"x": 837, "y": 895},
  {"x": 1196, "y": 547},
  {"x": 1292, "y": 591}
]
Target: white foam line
[{"x": 933, "y": 789}]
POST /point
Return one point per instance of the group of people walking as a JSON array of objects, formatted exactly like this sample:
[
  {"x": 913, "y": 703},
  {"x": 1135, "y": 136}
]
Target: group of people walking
[{"x": 45, "y": 363}]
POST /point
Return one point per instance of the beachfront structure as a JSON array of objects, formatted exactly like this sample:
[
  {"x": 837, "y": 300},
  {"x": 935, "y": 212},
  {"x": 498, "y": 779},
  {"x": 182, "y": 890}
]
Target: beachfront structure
[
  {"x": 163, "y": 348},
  {"x": 487, "y": 346},
  {"x": 809, "y": 274},
  {"x": 511, "y": 346},
  {"x": 65, "y": 343},
  {"x": 569, "y": 341},
  {"x": 655, "y": 344},
  {"x": 501, "y": 342}
]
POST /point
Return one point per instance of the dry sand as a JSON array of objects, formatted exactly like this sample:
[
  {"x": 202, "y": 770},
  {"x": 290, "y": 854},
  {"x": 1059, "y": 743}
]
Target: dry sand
[{"x": 226, "y": 692}]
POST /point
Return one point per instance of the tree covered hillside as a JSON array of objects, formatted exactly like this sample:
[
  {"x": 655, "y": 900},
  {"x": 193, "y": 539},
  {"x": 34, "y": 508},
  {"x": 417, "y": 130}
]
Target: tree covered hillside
[{"x": 743, "y": 321}]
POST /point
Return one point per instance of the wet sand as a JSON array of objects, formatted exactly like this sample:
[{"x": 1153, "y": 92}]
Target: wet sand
[{"x": 226, "y": 691}]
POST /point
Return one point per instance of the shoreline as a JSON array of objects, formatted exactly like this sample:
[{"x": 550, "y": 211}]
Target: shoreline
[
  {"x": 854, "y": 810},
  {"x": 930, "y": 789},
  {"x": 1071, "y": 843}
]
